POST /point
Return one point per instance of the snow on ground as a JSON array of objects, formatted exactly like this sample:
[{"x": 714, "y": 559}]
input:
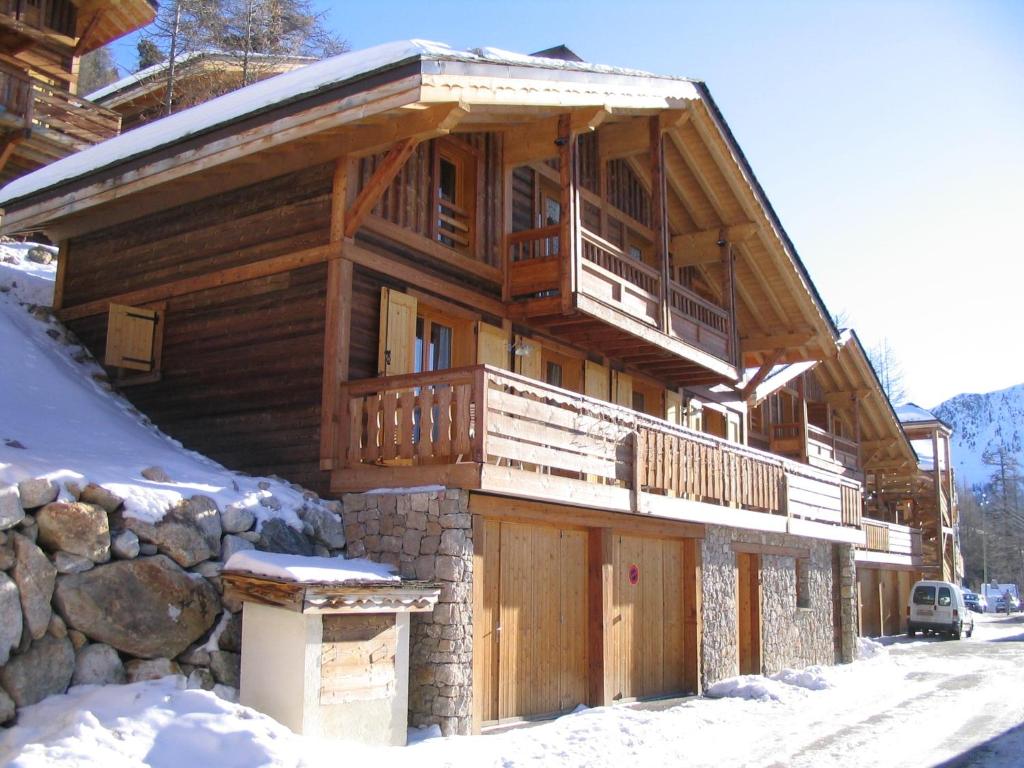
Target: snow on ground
[
  {"x": 59, "y": 419},
  {"x": 912, "y": 703}
]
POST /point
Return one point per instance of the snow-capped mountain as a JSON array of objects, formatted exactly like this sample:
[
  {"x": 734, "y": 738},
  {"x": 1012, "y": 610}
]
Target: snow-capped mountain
[{"x": 981, "y": 422}]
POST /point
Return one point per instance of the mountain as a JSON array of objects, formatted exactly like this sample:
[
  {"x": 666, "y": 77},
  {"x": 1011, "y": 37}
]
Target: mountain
[{"x": 981, "y": 422}]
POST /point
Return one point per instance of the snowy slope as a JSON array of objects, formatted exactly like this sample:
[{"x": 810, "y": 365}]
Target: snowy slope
[
  {"x": 60, "y": 420},
  {"x": 982, "y": 422}
]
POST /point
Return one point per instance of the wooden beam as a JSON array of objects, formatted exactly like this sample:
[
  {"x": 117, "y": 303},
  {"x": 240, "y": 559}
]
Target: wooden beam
[
  {"x": 569, "y": 247},
  {"x": 770, "y": 549},
  {"x": 659, "y": 216},
  {"x": 762, "y": 374},
  {"x": 10, "y": 144},
  {"x": 378, "y": 183},
  {"x": 624, "y": 140},
  {"x": 770, "y": 342},
  {"x": 702, "y": 247}
]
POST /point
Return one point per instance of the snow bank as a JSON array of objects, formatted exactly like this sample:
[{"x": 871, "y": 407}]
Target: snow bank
[
  {"x": 868, "y": 648},
  {"x": 330, "y": 570},
  {"x": 60, "y": 420}
]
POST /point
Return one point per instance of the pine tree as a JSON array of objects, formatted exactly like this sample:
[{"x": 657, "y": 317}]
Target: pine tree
[
  {"x": 149, "y": 54},
  {"x": 95, "y": 70},
  {"x": 1004, "y": 518}
]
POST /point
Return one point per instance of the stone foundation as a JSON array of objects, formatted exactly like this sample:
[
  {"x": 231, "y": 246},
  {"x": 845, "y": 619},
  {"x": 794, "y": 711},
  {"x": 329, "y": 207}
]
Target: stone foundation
[
  {"x": 790, "y": 636},
  {"x": 848, "y": 602},
  {"x": 428, "y": 535}
]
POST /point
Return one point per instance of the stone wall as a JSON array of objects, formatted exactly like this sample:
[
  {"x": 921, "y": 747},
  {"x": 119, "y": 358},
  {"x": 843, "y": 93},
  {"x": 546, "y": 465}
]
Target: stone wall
[
  {"x": 848, "y": 602},
  {"x": 791, "y": 636},
  {"x": 89, "y": 595},
  {"x": 428, "y": 535}
]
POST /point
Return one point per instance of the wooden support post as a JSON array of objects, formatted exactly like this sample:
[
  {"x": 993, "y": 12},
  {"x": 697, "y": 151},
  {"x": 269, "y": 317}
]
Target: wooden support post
[
  {"x": 568, "y": 239},
  {"x": 337, "y": 319},
  {"x": 801, "y": 389},
  {"x": 62, "y": 266},
  {"x": 378, "y": 183},
  {"x": 728, "y": 259},
  {"x": 600, "y": 607},
  {"x": 659, "y": 215}
]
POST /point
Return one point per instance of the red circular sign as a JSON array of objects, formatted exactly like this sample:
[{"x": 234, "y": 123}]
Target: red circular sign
[{"x": 634, "y": 574}]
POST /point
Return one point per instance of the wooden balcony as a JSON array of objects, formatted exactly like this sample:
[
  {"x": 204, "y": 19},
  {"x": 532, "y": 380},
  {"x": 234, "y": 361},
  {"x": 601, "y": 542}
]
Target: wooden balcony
[
  {"x": 821, "y": 448},
  {"x": 484, "y": 428},
  {"x": 42, "y": 123},
  {"x": 620, "y": 303},
  {"x": 890, "y": 543}
]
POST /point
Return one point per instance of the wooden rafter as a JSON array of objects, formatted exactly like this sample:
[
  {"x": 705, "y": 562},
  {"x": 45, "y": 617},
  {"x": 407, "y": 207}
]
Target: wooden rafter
[
  {"x": 762, "y": 374},
  {"x": 378, "y": 183}
]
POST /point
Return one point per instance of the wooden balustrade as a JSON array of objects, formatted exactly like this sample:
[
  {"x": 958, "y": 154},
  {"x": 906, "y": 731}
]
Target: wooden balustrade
[
  {"x": 891, "y": 538},
  {"x": 489, "y": 416},
  {"x": 610, "y": 257},
  {"x": 876, "y": 536},
  {"x": 533, "y": 265}
]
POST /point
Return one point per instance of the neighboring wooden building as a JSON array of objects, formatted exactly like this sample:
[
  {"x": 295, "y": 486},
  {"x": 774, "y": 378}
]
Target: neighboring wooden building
[
  {"x": 198, "y": 77},
  {"x": 41, "y": 41},
  {"x": 536, "y": 284}
]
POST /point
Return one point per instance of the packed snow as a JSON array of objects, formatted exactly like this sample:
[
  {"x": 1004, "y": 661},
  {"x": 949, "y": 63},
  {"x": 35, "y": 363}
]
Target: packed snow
[
  {"x": 866, "y": 713},
  {"x": 60, "y": 420},
  {"x": 327, "y": 570}
]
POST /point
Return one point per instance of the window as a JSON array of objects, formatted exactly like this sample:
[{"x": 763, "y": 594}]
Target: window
[
  {"x": 803, "y": 593},
  {"x": 553, "y": 374},
  {"x": 433, "y": 345},
  {"x": 924, "y": 595},
  {"x": 945, "y": 597},
  {"x": 639, "y": 401},
  {"x": 134, "y": 342},
  {"x": 455, "y": 186}
]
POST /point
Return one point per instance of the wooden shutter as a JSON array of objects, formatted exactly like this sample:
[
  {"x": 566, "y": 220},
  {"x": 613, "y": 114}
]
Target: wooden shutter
[
  {"x": 733, "y": 427},
  {"x": 131, "y": 332},
  {"x": 397, "y": 345},
  {"x": 674, "y": 413},
  {"x": 491, "y": 345},
  {"x": 528, "y": 358},
  {"x": 622, "y": 389},
  {"x": 596, "y": 382},
  {"x": 695, "y": 415}
]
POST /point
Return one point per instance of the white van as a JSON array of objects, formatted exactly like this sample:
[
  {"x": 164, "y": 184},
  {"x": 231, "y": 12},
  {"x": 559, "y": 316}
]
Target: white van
[{"x": 938, "y": 606}]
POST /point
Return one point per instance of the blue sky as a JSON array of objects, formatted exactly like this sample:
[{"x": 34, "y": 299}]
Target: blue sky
[{"x": 889, "y": 136}]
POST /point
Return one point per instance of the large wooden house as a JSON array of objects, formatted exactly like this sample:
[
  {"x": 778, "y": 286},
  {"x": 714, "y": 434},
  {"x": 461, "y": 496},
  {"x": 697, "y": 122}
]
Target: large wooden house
[
  {"x": 551, "y": 289},
  {"x": 41, "y": 41}
]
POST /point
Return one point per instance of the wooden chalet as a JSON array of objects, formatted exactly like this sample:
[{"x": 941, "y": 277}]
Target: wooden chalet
[
  {"x": 550, "y": 286},
  {"x": 198, "y": 77},
  {"x": 41, "y": 117}
]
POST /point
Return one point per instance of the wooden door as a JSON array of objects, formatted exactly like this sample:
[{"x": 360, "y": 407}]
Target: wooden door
[
  {"x": 649, "y": 652},
  {"x": 397, "y": 341},
  {"x": 748, "y": 602},
  {"x": 541, "y": 648}
]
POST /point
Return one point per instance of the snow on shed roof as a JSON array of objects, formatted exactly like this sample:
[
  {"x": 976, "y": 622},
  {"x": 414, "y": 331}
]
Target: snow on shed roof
[
  {"x": 278, "y": 90},
  {"x": 910, "y": 413}
]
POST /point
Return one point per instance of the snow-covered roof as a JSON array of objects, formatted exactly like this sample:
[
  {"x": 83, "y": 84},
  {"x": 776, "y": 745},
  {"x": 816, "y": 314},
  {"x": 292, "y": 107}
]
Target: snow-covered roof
[
  {"x": 282, "y": 89},
  {"x": 322, "y": 570},
  {"x": 910, "y": 413}
]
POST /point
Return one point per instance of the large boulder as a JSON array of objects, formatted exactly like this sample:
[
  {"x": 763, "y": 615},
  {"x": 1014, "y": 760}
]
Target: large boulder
[
  {"x": 179, "y": 539},
  {"x": 203, "y": 513},
  {"x": 43, "y": 670},
  {"x": 328, "y": 528},
  {"x": 37, "y": 492},
  {"x": 101, "y": 497},
  {"x": 34, "y": 574},
  {"x": 10, "y": 618},
  {"x": 148, "y": 607},
  {"x": 236, "y": 518},
  {"x": 11, "y": 511},
  {"x": 98, "y": 664},
  {"x": 277, "y": 536},
  {"x": 80, "y": 529}
]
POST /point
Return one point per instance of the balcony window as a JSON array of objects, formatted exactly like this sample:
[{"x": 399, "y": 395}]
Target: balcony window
[{"x": 455, "y": 186}]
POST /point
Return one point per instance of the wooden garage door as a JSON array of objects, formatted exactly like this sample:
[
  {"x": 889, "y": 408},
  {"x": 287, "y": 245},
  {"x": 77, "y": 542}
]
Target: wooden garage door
[
  {"x": 531, "y": 621},
  {"x": 649, "y": 653}
]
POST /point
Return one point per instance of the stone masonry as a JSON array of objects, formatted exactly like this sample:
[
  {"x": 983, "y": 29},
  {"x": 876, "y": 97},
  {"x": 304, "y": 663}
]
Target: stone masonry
[
  {"x": 848, "y": 602},
  {"x": 428, "y": 535},
  {"x": 791, "y": 636}
]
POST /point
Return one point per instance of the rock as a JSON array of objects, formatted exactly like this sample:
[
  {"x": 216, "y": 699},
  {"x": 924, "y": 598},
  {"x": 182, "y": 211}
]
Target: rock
[
  {"x": 200, "y": 678},
  {"x": 250, "y": 536},
  {"x": 68, "y": 563},
  {"x": 74, "y": 489},
  {"x": 231, "y": 544},
  {"x": 78, "y": 528},
  {"x": 98, "y": 664},
  {"x": 40, "y": 255},
  {"x": 197, "y": 656},
  {"x": 29, "y": 529},
  {"x": 150, "y": 669},
  {"x": 226, "y": 692},
  {"x": 236, "y": 519},
  {"x": 226, "y": 667},
  {"x": 148, "y": 549},
  {"x": 178, "y": 539},
  {"x": 43, "y": 670},
  {"x": 209, "y": 570},
  {"x": 203, "y": 513},
  {"x": 57, "y": 627},
  {"x": 271, "y": 503},
  {"x": 101, "y": 497},
  {"x": 148, "y": 607},
  {"x": 10, "y": 618},
  {"x": 78, "y": 640},
  {"x": 156, "y": 474},
  {"x": 7, "y": 708},
  {"x": 37, "y": 492},
  {"x": 277, "y": 536},
  {"x": 11, "y": 512},
  {"x": 34, "y": 574},
  {"x": 125, "y": 545},
  {"x": 328, "y": 528},
  {"x": 6, "y": 552},
  {"x": 231, "y": 636}
]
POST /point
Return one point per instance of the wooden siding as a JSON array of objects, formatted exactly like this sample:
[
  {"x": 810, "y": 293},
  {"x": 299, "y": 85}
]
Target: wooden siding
[{"x": 281, "y": 216}]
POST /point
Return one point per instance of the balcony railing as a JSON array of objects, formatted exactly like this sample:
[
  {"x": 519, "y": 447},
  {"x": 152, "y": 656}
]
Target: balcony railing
[
  {"x": 444, "y": 426},
  {"x": 891, "y": 538},
  {"x": 612, "y": 277},
  {"x": 823, "y": 449},
  {"x": 76, "y": 121}
]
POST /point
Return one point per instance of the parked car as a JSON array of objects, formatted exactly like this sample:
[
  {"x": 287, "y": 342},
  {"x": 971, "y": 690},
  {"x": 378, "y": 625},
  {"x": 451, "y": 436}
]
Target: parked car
[
  {"x": 938, "y": 606},
  {"x": 973, "y": 601},
  {"x": 1001, "y": 605}
]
